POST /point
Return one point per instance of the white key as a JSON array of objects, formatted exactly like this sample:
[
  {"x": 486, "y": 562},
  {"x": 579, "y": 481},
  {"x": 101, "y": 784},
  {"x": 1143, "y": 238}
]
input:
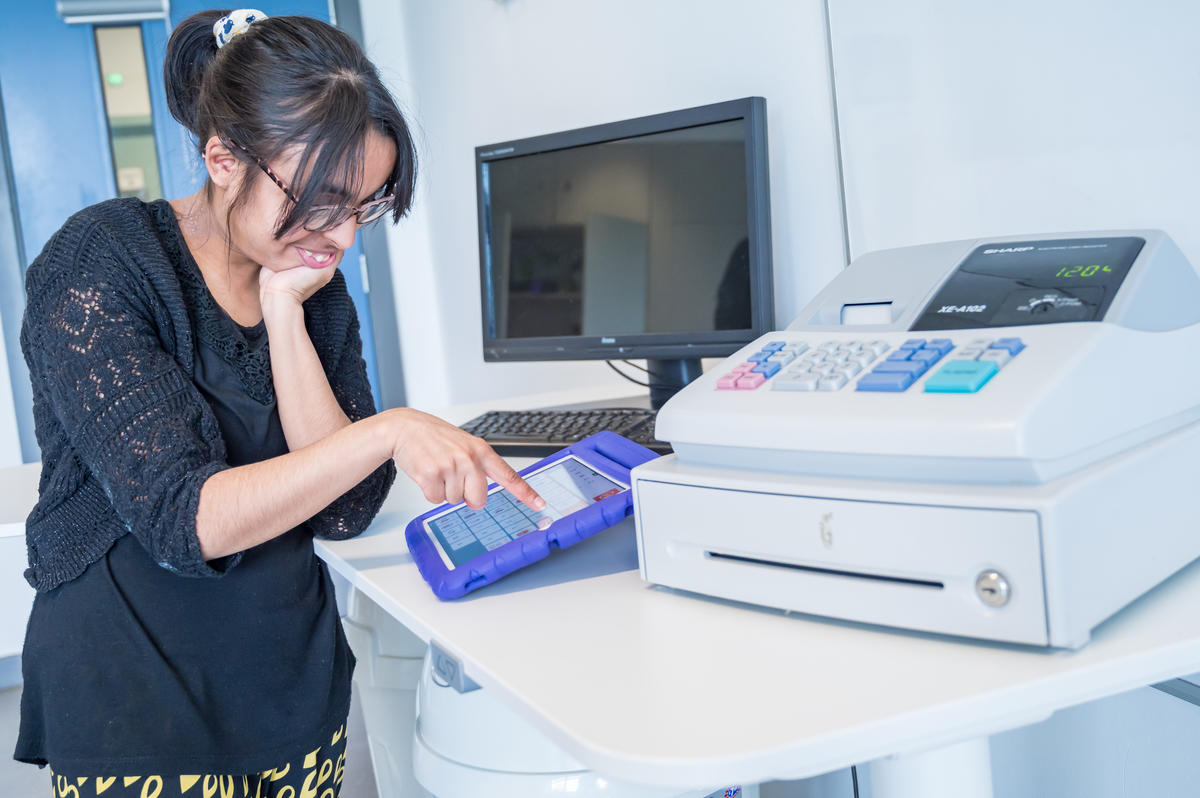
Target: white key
[
  {"x": 849, "y": 370},
  {"x": 863, "y": 360},
  {"x": 832, "y": 383},
  {"x": 998, "y": 356},
  {"x": 854, "y": 346},
  {"x": 838, "y": 356},
  {"x": 796, "y": 348},
  {"x": 825, "y": 369},
  {"x": 829, "y": 346},
  {"x": 980, "y": 343},
  {"x": 969, "y": 353},
  {"x": 878, "y": 347},
  {"x": 807, "y": 382}
]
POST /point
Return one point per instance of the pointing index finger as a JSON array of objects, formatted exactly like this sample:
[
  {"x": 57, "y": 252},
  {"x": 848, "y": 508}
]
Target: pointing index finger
[{"x": 507, "y": 478}]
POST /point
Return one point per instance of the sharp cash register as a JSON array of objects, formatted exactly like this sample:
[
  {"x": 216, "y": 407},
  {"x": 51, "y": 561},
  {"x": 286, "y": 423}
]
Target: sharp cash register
[{"x": 996, "y": 438}]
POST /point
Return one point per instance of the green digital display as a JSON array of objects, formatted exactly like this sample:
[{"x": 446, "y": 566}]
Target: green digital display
[{"x": 1083, "y": 271}]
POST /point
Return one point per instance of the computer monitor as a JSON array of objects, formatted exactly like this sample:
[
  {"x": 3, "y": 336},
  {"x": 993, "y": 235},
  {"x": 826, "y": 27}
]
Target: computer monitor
[{"x": 648, "y": 238}]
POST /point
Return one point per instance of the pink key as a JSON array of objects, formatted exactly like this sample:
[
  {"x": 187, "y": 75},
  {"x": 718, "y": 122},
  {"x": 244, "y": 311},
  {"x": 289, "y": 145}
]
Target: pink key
[
  {"x": 750, "y": 381},
  {"x": 729, "y": 381},
  {"x": 744, "y": 367}
]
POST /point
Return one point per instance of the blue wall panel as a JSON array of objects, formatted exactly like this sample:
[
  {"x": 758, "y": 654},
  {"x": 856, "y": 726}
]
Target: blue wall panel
[{"x": 55, "y": 114}]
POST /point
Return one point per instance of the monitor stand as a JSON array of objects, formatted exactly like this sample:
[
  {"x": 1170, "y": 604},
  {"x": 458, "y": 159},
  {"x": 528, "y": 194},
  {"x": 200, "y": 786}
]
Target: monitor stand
[{"x": 669, "y": 377}]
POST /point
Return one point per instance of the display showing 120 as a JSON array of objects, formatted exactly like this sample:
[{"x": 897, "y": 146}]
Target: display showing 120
[{"x": 1082, "y": 271}]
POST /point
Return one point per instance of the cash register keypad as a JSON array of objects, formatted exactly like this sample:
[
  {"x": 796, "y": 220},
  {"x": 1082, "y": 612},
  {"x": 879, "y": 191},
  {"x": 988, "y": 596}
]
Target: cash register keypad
[{"x": 833, "y": 365}]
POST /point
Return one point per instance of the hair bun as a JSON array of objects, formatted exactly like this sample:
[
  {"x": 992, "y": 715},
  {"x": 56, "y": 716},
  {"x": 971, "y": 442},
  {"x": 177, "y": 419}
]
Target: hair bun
[{"x": 189, "y": 52}]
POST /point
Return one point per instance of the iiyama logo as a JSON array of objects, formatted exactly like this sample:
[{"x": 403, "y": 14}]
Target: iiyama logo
[
  {"x": 827, "y": 530},
  {"x": 1006, "y": 249}
]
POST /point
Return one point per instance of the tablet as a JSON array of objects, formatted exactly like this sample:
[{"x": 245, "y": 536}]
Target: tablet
[{"x": 586, "y": 487}]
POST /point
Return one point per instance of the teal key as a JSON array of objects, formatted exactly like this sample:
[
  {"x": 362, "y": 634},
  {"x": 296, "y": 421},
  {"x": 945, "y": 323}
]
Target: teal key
[{"x": 961, "y": 376}]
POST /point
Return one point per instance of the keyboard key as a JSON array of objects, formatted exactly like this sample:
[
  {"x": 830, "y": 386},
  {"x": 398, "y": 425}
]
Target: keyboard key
[
  {"x": 838, "y": 356},
  {"x": 834, "y": 382},
  {"x": 961, "y": 376},
  {"x": 863, "y": 359},
  {"x": 1013, "y": 345},
  {"x": 887, "y": 382},
  {"x": 759, "y": 356},
  {"x": 913, "y": 343},
  {"x": 929, "y": 356},
  {"x": 746, "y": 366},
  {"x": 796, "y": 349},
  {"x": 903, "y": 353},
  {"x": 748, "y": 382},
  {"x": 782, "y": 357},
  {"x": 879, "y": 347},
  {"x": 729, "y": 381},
  {"x": 966, "y": 354},
  {"x": 798, "y": 382},
  {"x": 849, "y": 370},
  {"x": 914, "y": 367},
  {"x": 998, "y": 356},
  {"x": 767, "y": 368},
  {"x": 825, "y": 369},
  {"x": 853, "y": 346},
  {"x": 773, "y": 346},
  {"x": 942, "y": 345},
  {"x": 829, "y": 346}
]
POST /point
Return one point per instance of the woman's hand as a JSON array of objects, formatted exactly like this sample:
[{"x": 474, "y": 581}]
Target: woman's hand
[
  {"x": 450, "y": 465},
  {"x": 292, "y": 285}
]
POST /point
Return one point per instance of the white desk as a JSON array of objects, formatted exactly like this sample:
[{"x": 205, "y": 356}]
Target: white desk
[{"x": 650, "y": 686}]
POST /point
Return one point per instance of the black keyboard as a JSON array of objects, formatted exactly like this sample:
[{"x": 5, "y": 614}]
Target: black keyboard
[{"x": 537, "y": 433}]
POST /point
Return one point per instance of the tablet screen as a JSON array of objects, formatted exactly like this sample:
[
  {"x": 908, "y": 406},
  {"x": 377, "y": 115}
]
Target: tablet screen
[{"x": 568, "y": 485}]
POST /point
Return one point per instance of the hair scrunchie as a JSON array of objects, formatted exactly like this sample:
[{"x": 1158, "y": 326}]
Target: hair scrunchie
[{"x": 235, "y": 22}]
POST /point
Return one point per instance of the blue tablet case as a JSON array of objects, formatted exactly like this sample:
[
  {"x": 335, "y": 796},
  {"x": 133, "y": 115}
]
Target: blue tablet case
[{"x": 607, "y": 452}]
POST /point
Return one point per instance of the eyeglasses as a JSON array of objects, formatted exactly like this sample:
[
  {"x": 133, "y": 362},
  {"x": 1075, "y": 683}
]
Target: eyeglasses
[{"x": 325, "y": 217}]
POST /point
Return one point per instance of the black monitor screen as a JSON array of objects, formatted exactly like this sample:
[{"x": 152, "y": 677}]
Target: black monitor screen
[{"x": 640, "y": 235}]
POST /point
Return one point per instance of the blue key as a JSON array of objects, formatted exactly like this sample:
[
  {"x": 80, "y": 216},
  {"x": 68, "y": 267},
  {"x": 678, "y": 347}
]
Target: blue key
[
  {"x": 961, "y": 376},
  {"x": 942, "y": 345},
  {"x": 1013, "y": 345},
  {"x": 913, "y": 343},
  {"x": 913, "y": 367},
  {"x": 773, "y": 346},
  {"x": 892, "y": 382},
  {"x": 768, "y": 368},
  {"x": 901, "y": 354},
  {"x": 929, "y": 356},
  {"x": 759, "y": 357}
]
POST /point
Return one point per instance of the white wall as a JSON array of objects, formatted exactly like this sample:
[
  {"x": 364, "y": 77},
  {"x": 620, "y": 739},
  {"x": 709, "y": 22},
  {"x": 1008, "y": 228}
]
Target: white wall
[
  {"x": 974, "y": 119},
  {"x": 475, "y": 72}
]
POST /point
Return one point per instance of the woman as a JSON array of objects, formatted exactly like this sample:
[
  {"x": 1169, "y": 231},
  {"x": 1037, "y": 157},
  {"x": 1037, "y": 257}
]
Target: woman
[{"x": 184, "y": 637}]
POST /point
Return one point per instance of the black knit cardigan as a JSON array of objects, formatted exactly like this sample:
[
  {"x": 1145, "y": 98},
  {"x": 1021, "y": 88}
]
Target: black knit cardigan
[{"x": 114, "y": 305}]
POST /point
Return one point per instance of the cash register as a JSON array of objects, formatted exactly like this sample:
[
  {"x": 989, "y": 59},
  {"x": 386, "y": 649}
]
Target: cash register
[{"x": 992, "y": 438}]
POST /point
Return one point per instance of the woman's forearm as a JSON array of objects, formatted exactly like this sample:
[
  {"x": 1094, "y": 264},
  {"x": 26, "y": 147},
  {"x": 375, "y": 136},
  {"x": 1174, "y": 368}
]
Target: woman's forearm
[
  {"x": 242, "y": 507},
  {"x": 308, "y": 410}
]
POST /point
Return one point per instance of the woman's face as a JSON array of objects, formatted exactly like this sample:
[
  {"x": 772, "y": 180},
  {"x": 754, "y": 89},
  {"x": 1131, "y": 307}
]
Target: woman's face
[{"x": 252, "y": 226}]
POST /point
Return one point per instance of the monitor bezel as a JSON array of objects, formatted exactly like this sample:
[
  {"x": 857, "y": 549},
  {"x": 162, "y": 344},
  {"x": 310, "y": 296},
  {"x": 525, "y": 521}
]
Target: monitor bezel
[{"x": 717, "y": 343}]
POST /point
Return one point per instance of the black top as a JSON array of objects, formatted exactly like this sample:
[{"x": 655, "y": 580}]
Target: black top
[{"x": 133, "y": 669}]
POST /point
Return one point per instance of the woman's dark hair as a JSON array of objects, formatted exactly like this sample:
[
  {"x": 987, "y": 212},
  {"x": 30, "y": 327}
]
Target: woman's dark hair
[{"x": 287, "y": 82}]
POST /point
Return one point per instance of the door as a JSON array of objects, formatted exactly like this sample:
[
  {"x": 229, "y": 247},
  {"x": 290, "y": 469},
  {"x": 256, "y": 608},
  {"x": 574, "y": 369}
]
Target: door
[{"x": 68, "y": 150}]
